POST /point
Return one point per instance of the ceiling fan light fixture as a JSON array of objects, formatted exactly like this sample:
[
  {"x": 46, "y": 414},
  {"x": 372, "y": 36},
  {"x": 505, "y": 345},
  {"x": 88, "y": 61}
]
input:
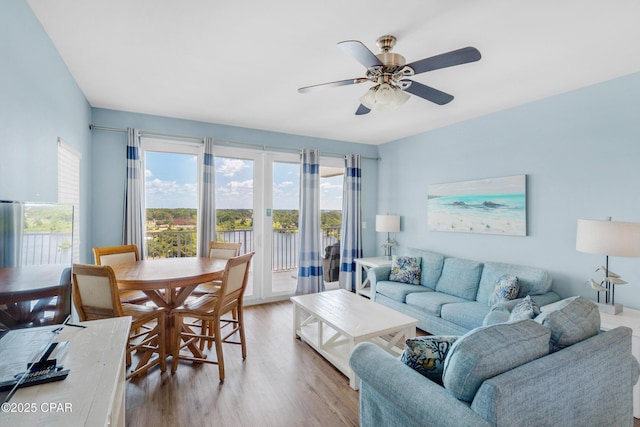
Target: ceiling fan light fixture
[
  {"x": 369, "y": 98},
  {"x": 384, "y": 97},
  {"x": 384, "y": 94}
]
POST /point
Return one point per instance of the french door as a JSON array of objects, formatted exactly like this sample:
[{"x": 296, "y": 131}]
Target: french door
[{"x": 257, "y": 199}]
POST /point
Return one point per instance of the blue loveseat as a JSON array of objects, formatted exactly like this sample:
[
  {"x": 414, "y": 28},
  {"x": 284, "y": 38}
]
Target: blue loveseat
[
  {"x": 453, "y": 295},
  {"x": 555, "y": 371}
]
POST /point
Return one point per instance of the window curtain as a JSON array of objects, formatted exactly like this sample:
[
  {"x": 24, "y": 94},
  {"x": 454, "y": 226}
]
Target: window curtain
[
  {"x": 12, "y": 226},
  {"x": 309, "y": 262},
  {"x": 207, "y": 214},
  {"x": 134, "y": 213},
  {"x": 351, "y": 231}
]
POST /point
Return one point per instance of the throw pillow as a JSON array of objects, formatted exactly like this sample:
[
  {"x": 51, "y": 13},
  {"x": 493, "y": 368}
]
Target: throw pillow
[
  {"x": 525, "y": 309},
  {"x": 426, "y": 355},
  {"x": 570, "y": 320},
  {"x": 505, "y": 289},
  {"x": 487, "y": 351},
  {"x": 405, "y": 269}
]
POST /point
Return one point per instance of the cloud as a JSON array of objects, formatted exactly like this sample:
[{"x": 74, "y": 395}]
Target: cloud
[
  {"x": 330, "y": 186},
  {"x": 170, "y": 194},
  {"x": 230, "y": 167},
  {"x": 148, "y": 173}
]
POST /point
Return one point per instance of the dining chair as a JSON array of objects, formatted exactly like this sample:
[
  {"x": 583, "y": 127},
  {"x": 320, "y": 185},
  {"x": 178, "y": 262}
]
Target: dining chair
[
  {"x": 112, "y": 255},
  {"x": 219, "y": 250},
  {"x": 95, "y": 296},
  {"x": 209, "y": 309}
]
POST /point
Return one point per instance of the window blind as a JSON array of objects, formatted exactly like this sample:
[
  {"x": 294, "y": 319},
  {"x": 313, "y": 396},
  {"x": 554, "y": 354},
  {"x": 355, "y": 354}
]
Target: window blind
[{"x": 69, "y": 188}]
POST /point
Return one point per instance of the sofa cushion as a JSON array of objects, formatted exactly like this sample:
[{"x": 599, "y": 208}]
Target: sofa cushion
[
  {"x": 525, "y": 309},
  {"x": 532, "y": 281},
  {"x": 468, "y": 314},
  {"x": 460, "y": 277},
  {"x": 426, "y": 355},
  {"x": 570, "y": 320},
  {"x": 431, "y": 265},
  {"x": 497, "y": 314},
  {"x": 505, "y": 289},
  {"x": 431, "y": 302},
  {"x": 405, "y": 269},
  {"x": 488, "y": 351},
  {"x": 399, "y": 291}
]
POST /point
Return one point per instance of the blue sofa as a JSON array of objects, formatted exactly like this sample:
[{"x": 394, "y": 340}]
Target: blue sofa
[
  {"x": 541, "y": 372},
  {"x": 453, "y": 294}
]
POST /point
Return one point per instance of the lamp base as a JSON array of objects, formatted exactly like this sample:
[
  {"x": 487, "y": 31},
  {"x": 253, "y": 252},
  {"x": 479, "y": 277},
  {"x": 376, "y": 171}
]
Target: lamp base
[{"x": 610, "y": 308}]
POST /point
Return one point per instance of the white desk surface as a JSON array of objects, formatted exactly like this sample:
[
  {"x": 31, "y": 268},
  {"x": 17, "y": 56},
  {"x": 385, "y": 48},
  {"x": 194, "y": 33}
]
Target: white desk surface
[{"x": 93, "y": 390}]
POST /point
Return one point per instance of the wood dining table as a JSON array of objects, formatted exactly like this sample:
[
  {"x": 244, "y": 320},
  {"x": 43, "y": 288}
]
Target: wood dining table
[
  {"x": 26, "y": 292},
  {"x": 168, "y": 282}
]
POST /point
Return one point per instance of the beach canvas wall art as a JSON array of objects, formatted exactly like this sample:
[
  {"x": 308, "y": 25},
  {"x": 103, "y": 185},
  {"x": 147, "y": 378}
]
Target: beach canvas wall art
[{"x": 490, "y": 206}]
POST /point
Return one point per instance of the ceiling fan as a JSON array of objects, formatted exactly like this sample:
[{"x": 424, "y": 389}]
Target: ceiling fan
[{"x": 389, "y": 72}]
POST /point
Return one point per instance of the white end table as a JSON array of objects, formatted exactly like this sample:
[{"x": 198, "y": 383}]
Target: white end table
[
  {"x": 362, "y": 286},
  {"x": 631, "y": 319}
]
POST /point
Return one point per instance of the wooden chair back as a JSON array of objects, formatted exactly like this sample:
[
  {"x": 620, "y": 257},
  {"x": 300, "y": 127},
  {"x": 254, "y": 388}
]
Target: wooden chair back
[
  {"x": 234, "y": 281},
  {"x": 224, "y": 250},
  {"x": 112, "y": 255},
  {"x": 95, "y": 292}
]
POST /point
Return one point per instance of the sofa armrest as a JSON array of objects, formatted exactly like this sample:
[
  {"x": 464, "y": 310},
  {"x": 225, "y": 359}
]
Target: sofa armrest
[
  {"x": 588, "y": 383},
  {"x": 541, "y": 300},
  {"x": 390, "y": 389},
  {"x": 375, "y": 275}
]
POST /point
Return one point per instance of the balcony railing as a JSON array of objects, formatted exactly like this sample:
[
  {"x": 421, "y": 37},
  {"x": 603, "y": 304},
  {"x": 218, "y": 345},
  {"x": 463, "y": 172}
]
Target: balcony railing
[
  {"x": 286, "y": 241},
  {"x": 45, "y": 248}
]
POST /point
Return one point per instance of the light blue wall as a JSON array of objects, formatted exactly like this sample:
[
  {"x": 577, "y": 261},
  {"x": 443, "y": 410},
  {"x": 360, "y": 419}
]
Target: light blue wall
[
  {"x": 109, "y": 164},
  {"x": 581, "y": 154},
  {"x": 39, "y": 102}
]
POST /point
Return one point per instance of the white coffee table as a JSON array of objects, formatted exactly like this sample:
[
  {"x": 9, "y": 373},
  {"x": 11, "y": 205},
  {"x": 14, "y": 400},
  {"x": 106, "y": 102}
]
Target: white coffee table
[{"x": 333, "y": 322}]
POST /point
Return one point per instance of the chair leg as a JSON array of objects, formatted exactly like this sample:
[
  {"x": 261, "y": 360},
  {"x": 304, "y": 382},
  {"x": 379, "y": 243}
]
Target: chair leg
[
  {"x": 219, "y": 355},
  {"x": 128, "y": 356},
  {"x": 176, "y": 342},
  {"x": 204, "y": 328},
  {"x": 243, "y": 341},
  {"x": 162, "y": 342}
]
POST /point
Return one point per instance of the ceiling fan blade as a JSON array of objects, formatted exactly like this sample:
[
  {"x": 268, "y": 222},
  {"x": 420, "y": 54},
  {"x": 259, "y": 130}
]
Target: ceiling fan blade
[
  {"x": 360, "y": 52},
  {"x": 430, "y": 94},
  {"x": 449, "y": 59},
  {"x": 362, "y": 110},
  {"x": 333, "y": 84}
]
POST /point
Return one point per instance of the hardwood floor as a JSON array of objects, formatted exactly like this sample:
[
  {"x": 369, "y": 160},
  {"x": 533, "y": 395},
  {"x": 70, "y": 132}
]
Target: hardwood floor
[{"x": 283, "y": 382}]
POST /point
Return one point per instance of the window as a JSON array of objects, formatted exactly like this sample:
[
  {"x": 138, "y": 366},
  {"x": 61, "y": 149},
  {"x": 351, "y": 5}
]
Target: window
[{"x": 171, "y": 197}]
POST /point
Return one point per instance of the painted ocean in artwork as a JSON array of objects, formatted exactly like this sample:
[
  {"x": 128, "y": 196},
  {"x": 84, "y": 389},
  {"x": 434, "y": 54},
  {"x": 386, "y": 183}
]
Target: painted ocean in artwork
[{"x": 494, "y": 206}]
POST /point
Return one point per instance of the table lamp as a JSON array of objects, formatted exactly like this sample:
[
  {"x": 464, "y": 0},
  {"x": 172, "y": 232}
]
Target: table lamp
[
  {"x": 388, "y": 224},
  {"x": 608, "y": 238}
]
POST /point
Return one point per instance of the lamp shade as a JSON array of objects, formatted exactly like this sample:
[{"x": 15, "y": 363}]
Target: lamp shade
[
  {"x": 606, "y": 237},
  {"x": 388, "y": 223}
]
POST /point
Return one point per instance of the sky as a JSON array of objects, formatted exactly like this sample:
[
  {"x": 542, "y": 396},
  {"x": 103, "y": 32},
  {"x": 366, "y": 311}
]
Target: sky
[{"x": 171, "y": 182}]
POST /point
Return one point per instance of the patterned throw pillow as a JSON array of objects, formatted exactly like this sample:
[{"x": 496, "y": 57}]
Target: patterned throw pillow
[
  {"x": 405, "y": 269},
  {"x": 525, "y": 309},
  {"x": 505, "y": 289},
  {"x": 426, "y": 355}
]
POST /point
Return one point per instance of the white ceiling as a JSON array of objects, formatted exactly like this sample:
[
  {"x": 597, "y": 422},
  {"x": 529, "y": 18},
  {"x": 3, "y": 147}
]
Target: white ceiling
[{"x": 240, "y": 62}]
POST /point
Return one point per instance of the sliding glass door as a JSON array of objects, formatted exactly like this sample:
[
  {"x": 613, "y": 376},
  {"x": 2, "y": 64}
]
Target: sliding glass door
[{"x": 257, "y": 197}]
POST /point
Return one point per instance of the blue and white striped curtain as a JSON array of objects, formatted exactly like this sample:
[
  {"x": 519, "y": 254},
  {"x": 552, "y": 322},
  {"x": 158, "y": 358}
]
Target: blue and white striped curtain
[
  {"x": 351, "y": 232},
  {"x": 309, "y": 262},
  {"x": 134, "y": 196},
  {"x": 207, "y": 214}
]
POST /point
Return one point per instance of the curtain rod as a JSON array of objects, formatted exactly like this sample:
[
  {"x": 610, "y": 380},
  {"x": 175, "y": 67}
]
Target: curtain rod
[{"x": 233, "y": 143}]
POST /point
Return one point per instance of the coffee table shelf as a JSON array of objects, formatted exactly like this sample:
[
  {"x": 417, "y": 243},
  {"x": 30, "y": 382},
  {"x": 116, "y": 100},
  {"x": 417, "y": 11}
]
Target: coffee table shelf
[{"x": 333, "y": 322}]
